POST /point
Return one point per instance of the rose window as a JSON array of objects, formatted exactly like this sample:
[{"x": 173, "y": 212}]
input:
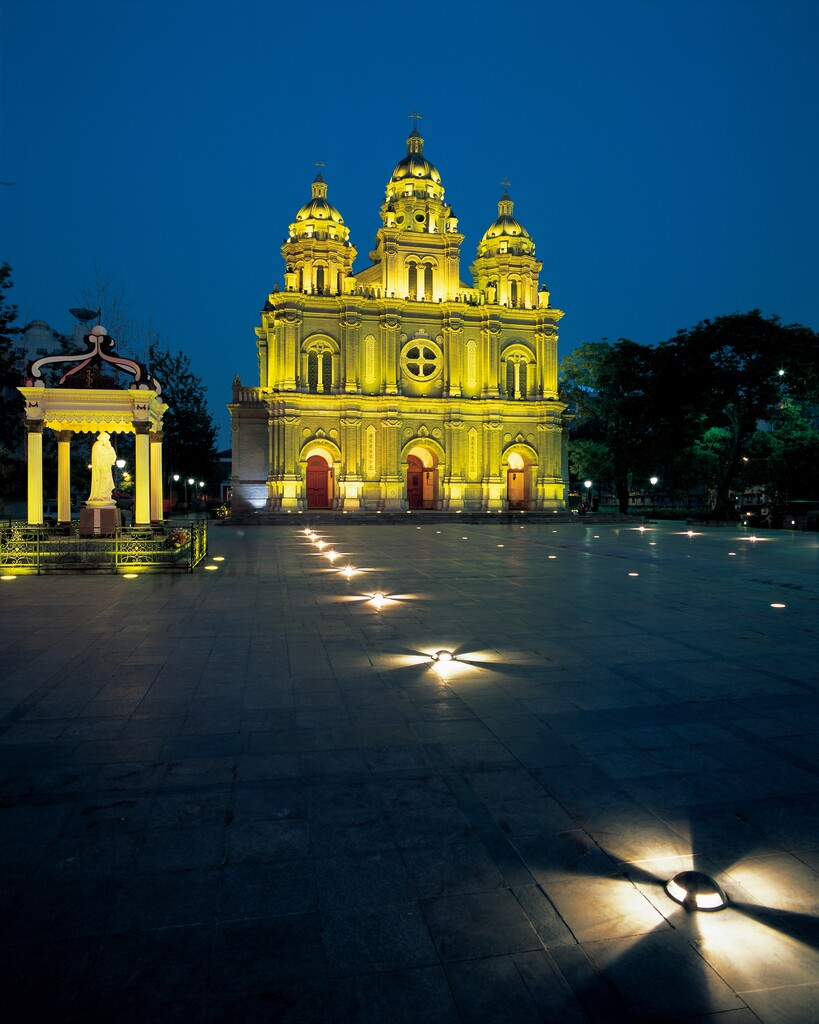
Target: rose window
[{"x": 421, "y": 361}]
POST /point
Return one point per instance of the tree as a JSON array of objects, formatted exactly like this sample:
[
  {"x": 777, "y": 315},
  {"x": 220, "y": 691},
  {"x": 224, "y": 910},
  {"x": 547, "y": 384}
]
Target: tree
[
  {"x": 785, "y": 457},
  {"x": 189, "y": 432},
  {"x": 10, "y": 407},
  {"x": 111, "y": 301},
  {"x": 729, "y": 374},
  {"x": 613, "y": 435}
]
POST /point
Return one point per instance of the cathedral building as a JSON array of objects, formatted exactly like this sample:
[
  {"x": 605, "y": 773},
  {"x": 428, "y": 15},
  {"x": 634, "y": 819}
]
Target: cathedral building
[{"x": 399, "y": 386}]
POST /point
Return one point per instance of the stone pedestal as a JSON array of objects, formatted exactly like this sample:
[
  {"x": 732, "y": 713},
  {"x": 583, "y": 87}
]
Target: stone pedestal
[{"x": 99, "y": 522}]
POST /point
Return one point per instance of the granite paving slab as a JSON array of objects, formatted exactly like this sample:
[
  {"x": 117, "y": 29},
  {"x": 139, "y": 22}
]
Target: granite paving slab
[{"x": 249, "y": 794}]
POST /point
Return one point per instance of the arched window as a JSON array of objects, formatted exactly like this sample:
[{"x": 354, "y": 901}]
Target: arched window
[
  {"x": 338, "y": 284},
  {"x": 301, "y": 279},
  {"x": 319, "y": 371},
  {"x": 428, "y": 283},
  {"x": 516, "y": 376},
  {"x": 513, "y": 293},
  {"x": 320, "y": 280},
  {"x": 412, "y": 280}
]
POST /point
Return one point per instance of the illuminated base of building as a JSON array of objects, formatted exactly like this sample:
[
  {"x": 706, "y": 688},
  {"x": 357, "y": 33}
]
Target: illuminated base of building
[{"x": 302, "y": 451}]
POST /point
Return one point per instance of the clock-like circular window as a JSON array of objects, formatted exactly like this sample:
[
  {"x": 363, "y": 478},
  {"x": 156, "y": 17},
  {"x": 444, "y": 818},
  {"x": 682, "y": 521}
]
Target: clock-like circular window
[{"x": 421, "y": 360}]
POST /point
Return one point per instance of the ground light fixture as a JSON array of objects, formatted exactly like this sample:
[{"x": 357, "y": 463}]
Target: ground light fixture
[
  {"x": 377, "y": 599},
  {"x": 348, "y": 571},
  {"x": 695, "y": 890},
  {"x": 331, "y": 555},
  {"x": 443, "y": 656}
]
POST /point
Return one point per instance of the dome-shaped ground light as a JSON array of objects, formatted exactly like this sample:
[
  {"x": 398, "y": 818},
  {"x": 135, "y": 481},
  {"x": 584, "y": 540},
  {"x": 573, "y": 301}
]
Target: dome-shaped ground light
[{"x": 696, "y": 891}]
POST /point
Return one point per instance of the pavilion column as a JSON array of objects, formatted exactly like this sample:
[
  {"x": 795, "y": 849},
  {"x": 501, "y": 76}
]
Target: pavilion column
[
  {"x": 156, "y": 476},
  {"x": 64, "y": 475},
  {"x": 142, "y": 503},
  {"x": 34, "y": 453}
]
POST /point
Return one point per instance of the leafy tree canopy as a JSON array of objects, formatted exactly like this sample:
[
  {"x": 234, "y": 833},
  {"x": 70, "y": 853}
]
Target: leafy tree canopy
[
  {"x": 189, "y": 442},
  {"x": 10, "y": 408},
  {"x": 613, "y": 433},
  {"x": 729, "y": 374}
]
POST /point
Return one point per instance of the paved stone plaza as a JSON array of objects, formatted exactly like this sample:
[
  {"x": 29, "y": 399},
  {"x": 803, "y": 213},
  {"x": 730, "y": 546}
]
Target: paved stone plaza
[{"x": 249, "y": 795}]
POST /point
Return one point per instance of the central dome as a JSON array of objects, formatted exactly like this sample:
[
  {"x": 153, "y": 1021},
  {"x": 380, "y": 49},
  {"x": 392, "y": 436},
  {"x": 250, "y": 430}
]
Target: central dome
[{"x": 415, "y": 164}]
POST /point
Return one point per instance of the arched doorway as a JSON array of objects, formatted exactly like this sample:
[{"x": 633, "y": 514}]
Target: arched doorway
[
  {"x": 415, "y": 482},
  {"x": 515, "y": 480},
  {"x": 318, "y": 482}
]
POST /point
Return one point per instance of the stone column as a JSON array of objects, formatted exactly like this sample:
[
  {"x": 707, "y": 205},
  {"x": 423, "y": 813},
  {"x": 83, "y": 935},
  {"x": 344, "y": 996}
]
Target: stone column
[
  {"x": 490, "y": 345},
  {"x": 453, "y": 344},
  {"x": 142, "y": 485},
  {"x": 392, "y": 482},
  {"x": 293, "y": 483},
  {"x": 455, "y": 483},
  {"x": 34, "y": 453},
  {"x": 64, "y": 475},
  {"x": 351, "y": 484},
  {"x": 157, "y": 481},
  {"x": 389, "y": 347},
  {"x": 290, "y": 321},
  {"x": 494, "y": 486},
  {"x": 350, "y": 368}
]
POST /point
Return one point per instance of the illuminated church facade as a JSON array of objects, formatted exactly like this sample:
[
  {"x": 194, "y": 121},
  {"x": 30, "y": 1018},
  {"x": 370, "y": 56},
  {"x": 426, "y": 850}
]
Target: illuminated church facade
[{"x": 398, "y": 386}]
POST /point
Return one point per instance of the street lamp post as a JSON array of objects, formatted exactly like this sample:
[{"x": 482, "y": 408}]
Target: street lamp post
[
  {"x": 653, "y": 480},
  {"x": 588, "y": 485}
]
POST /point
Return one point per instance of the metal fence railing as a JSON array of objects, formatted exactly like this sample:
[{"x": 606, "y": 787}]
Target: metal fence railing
[{"x": 42, "y": 549}]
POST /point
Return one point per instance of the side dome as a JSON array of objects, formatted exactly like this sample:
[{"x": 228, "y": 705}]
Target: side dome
[
  {"x": 318, "y": 217},
  {"x": 415, "y": 164},
  {"x": 506, "y": 229},
  {"x": 318, "y": 207}
]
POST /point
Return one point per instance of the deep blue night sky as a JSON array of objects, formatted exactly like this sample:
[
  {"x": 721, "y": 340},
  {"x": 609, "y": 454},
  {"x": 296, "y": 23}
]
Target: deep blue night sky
[{"x": 662, "y": 153}]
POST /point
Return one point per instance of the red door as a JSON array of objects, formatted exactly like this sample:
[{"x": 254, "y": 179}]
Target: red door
[
  {"x": 515, "y": 488},
  {"x": 318, "y": 481},
  {"x": 415, "y": 482}
]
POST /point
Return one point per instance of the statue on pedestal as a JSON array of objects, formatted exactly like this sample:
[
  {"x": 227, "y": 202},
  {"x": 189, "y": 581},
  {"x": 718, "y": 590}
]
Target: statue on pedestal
[{"x": 103, "y": 458}]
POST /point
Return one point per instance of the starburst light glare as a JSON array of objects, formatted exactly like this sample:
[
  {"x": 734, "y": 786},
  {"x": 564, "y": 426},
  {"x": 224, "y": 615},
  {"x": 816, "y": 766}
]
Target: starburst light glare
[
  {"x": 348, "y": 571},
  {"x": 321, "y": 544},
  {"x": 377, "y": 599},
  {"x": 696, "y": 891},
  {"x": 331, "y": 555}
]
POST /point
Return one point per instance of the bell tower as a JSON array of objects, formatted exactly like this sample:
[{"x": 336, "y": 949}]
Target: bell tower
[
  {"x": 417, "y": 249},
  {"x": 317, "y": 252},
  {"x": 506, "y": 268}
]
